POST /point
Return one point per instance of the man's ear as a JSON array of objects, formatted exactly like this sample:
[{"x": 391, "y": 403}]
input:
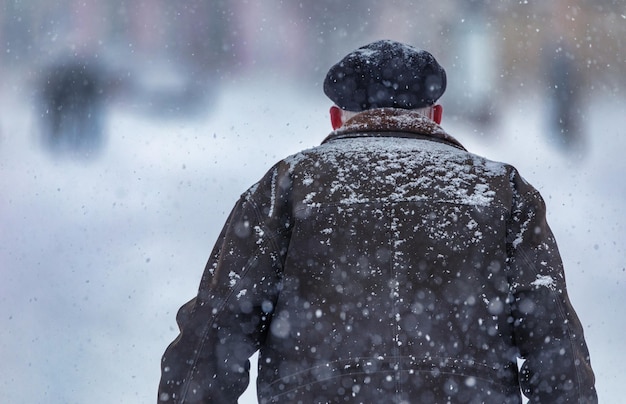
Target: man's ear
[
  {"x": 335, "y": 117},
  {"x": 437, "y": 113}
]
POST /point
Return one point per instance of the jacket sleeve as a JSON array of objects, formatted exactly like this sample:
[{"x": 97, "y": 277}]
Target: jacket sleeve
[
  {"x": 226, "y": 322},
  {"x": 547, "y": 331}
]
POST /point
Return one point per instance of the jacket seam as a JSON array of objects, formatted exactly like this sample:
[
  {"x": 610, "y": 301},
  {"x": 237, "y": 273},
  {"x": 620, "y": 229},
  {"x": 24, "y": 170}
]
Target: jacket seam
[
  {"x": 221, "y": 306},
  {"x": 272, "y": 236},
  {"x": 396, "y": 334}
]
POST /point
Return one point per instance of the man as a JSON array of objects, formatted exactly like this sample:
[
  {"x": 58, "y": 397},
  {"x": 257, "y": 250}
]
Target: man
[{"x": 387, "y": 265}]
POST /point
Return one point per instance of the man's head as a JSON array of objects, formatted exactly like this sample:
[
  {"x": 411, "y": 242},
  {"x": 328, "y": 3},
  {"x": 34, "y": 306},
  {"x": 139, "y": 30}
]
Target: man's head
[{"x": 385, "y": 74}]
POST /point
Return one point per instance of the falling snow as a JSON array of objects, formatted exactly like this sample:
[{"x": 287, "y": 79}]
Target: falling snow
[{"x": 75, "y": 256}]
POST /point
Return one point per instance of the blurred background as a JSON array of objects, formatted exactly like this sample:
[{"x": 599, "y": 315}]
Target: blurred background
[{"x": 129, "y": 128}]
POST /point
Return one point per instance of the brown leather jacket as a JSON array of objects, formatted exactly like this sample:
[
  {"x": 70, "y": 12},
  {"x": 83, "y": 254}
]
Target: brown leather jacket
[{"x": 387, "y": 265}]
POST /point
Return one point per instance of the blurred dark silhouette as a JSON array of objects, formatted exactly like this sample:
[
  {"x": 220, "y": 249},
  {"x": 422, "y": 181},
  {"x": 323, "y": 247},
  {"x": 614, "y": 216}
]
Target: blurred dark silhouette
[
  {"x": 564, "y": 92},
  {"x": 564, "y": 65},
  {"x": 71, "y": 106}
]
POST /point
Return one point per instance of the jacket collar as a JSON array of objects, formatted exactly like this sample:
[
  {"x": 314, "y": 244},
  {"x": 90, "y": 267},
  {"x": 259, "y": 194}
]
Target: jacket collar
[{"x": 392, "y": 122}]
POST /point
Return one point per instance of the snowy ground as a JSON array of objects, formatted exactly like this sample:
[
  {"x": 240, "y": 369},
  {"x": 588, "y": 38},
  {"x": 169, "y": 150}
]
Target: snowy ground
[{"x": 97, "y": 255}]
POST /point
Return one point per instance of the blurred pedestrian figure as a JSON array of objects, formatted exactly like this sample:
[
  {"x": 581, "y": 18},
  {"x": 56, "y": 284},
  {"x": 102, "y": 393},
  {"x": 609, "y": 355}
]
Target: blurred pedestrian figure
[
  {"x": 564, "y": 79},
  {"x": 387, "y": 265},
  {"x": 71, "y": 106},
  {"x": 564, "y": 85}
]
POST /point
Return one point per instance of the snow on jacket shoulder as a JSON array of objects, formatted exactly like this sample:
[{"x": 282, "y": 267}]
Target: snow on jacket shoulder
[{"x": 386, "y": 265}]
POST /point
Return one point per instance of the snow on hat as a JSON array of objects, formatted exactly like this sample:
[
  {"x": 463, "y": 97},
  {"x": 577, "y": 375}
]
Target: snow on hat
[{"x": 385, "y": 74}]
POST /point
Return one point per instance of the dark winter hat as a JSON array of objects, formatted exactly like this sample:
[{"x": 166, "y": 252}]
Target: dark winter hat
[{"x": 385, "y": 74}]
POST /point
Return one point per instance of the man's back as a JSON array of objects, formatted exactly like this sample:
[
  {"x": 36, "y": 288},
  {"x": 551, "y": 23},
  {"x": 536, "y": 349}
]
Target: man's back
[{"x": 395, "y": 275}]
